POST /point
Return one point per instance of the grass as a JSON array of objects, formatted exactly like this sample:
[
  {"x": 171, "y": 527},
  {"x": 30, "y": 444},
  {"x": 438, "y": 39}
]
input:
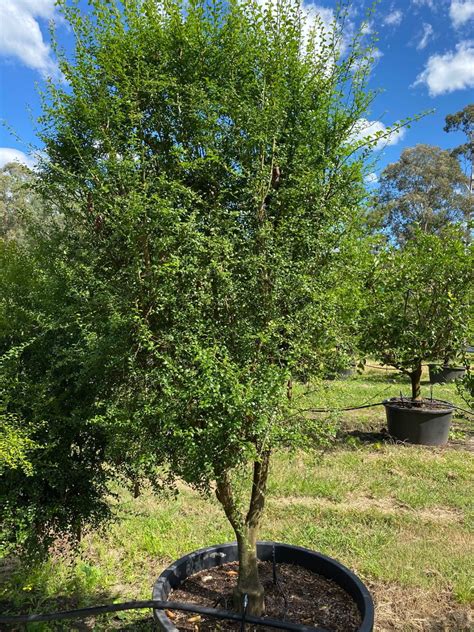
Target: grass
[{"x": 400, "y": 516}]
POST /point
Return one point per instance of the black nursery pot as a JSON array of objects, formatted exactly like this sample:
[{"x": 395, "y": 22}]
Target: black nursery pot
[
  {"x": 342, "y": 374},
  {"x": 445, "y": 374},
  {"x": 418, "y": 425},
  {"x": 213, "y": 556}
]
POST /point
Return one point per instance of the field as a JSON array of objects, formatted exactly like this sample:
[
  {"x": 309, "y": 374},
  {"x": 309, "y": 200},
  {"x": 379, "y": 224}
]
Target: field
[{"x": 400, "y": 516}]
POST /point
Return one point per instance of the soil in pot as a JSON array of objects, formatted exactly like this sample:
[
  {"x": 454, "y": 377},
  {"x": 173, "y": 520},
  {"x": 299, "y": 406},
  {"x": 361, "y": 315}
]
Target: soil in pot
[{"x": 329, "y": 606}]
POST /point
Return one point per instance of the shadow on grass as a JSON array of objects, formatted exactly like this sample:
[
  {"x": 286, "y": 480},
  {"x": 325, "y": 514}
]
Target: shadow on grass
[
  {"x": 366, "y": 437},
  {"x": 382, "y": 377}
]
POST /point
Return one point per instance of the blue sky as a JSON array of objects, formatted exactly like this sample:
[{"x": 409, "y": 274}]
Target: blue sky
[{"x": 425, "y": 61}]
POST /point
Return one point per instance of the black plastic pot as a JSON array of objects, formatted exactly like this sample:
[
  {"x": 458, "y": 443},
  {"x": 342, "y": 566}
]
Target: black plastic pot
[
  {"x": 212, "y": 556},
  {"x": 445, "y": 374},
  {"x": 349, "y": 372},
  {"x": 418, "y": 425},
  {"x": 342, "y": 373}
]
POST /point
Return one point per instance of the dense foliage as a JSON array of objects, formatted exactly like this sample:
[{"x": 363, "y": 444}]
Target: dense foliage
[
  {"x": 203, "y": 162},
  {"x": 419, "y": 302},
  {"x": 52, "y": 468}
]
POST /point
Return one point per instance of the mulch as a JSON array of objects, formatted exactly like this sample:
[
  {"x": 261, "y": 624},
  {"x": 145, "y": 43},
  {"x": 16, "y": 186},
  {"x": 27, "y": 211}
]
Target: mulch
[{"x": 300, "y": 596}]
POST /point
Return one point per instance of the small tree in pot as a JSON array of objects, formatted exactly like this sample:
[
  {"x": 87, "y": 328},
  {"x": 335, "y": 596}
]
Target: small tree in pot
[
  {"x": 419, "y": 303},
  {"x": 204, "y": 162}
]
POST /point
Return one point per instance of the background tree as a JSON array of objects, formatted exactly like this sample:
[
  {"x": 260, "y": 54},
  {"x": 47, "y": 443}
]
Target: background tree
[
  {"x": 53, "y": 476},
  {"x": 425, "y": 189},
  {"x": 463, "y": 121},
  {"x": 419, "y": 303},
  {"x": 202, "y": 162},
  {"x": 19, "y": 203},
  {"x": 465, "y": 387}
]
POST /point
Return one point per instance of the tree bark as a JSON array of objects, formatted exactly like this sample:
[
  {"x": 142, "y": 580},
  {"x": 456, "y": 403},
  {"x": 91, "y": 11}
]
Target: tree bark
[
  {"x": 136, "y": 488},
  {"x": 415, "y": 377},
  {"x": 246, "y": 531},
  {"x": 248, "y": 582}
]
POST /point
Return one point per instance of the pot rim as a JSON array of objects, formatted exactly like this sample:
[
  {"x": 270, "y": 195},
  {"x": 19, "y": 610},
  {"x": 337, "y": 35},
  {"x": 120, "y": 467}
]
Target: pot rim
[
  {"x": 392, "y": 403},
  {"x": 447, "y": 366},
  {"x": 364, "y": 596}
]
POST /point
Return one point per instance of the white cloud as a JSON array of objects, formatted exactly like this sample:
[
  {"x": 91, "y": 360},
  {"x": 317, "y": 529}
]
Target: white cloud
[
  {"x": 452, "y": 71},
  {"x": 425, "y": 38},
  {"x": 423, "y": 3},
  {"x": 313, "y": 15},
  {"x": 313, "y": 10},
  {"x": 40, "y": 8},
  {"x": 371, "y": 129},
  {"x": 461, "y": 11},
  {"x": 394, "y": 18},
  {"x": 20, "y": 34},
  {"x": 8, "y": 154},
  {"x": 310, "y": 11},
  {"x": 371, "y": 178}
]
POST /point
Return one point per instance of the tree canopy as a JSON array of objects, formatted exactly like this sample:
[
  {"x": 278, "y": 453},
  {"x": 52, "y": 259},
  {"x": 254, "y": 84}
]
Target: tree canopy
[
  {"x": 419, "y": 302},
  {"x": 463, "y": 121}
]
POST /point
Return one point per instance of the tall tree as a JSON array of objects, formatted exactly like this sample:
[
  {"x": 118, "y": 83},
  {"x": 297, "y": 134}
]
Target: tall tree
[
  {"x": 425, "y": 189},
  {"x": 204, "y": 161},
  {"x": 463, "y": 121}
]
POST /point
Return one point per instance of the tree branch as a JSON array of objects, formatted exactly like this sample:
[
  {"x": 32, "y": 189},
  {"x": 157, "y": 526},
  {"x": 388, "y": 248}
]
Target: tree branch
[{"x": 259, "y": 486}]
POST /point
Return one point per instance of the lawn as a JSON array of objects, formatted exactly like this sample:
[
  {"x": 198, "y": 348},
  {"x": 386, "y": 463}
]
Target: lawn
[{"x": 400, "y": 516}]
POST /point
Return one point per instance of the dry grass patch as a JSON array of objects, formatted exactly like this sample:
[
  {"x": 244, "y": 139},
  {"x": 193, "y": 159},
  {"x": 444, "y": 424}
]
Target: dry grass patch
[{"x": 398, "y": 609}]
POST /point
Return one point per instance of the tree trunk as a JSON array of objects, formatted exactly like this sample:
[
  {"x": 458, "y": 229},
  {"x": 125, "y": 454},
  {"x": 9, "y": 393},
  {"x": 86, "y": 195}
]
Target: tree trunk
[
  {"x": 136, "y": 488},
  {"x": 246, "y": 531},
  {"x": 249, "y": 582},
  {"x": 415, "y": 377}
]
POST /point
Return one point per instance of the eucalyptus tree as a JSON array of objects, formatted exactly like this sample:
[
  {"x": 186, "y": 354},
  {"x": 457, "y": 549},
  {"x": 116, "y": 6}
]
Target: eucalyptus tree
[
  {"x": 463, "y": 121},
  {"x": 203, "y": 160},
  {"x": 19, "y": 203},
  {"x": 425, "y": 189}
]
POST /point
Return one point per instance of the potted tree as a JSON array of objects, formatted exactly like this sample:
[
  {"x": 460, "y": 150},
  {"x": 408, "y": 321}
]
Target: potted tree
[
  {"x": 453, "y": 368},
  {"x": 465, "y": 387},
  {"x": 446, "y": 372},
  {"x": 204, "y": 162},
  {"x": 418, "y": 309}
]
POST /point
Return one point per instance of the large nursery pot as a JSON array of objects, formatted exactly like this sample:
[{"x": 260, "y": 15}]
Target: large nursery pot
[
  {"x": 425, "y": 426},
  {"x": 341, "y": 374},
  {"x": 213, "y": 556},
  {"x": 445, "y": 374}
]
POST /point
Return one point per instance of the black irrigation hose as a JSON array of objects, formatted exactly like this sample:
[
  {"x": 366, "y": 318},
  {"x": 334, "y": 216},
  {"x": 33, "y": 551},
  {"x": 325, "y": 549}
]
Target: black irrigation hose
[
  {"x": 244, "y": 613},
  {"x": 341, "y": 410},
  {"x": 158, "y": 605},
  {"x": 468, "y": 412}
]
